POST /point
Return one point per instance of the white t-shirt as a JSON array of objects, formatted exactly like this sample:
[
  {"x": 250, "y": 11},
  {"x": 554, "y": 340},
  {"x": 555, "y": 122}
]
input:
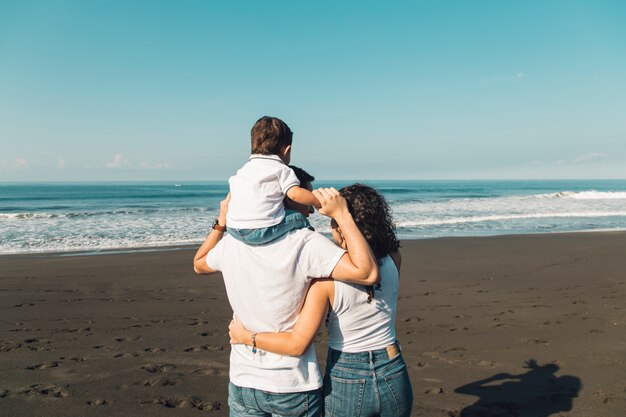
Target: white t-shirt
[
  {"x": 354, "y": 325},
  {"x": 257, "y": 191},
  {"x": 266, "y": 286}
]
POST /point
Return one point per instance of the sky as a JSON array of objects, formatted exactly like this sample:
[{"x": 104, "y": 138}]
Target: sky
[{"x": 168, "y": 90}]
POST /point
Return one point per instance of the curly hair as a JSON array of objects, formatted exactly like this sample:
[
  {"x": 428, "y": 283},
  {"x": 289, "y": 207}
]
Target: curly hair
[{"x": 372, "y": 216}]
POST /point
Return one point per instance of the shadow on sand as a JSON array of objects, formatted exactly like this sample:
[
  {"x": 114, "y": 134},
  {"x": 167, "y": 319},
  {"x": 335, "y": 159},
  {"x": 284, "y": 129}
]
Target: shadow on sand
[{"x": 536, "y": 393}]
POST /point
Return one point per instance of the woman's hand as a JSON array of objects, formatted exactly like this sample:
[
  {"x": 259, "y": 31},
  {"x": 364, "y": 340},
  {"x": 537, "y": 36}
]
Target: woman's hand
[
  {"x": 238, "y": 333},
  {"x": 333, "y": 204}
]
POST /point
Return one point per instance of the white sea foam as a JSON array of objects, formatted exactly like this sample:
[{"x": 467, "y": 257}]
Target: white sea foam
[
  {"x": 500, "y": 218},
  {"x": 586, "y": 195},
  {"x": 418, "y": 212},
  {"x": 119, "y": 212}
]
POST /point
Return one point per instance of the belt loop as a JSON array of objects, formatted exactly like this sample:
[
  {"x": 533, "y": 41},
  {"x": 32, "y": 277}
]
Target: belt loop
[{"x": 371, "y": 354}]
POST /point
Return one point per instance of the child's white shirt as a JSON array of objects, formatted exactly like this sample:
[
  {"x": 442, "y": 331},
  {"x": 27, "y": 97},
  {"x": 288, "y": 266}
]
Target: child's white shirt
[{"x": 257, "y": 192}]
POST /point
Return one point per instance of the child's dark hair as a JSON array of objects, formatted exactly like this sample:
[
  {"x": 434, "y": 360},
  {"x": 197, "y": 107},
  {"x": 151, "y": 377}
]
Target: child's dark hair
[
  {"x": 269, "y": 135},
  {"x": 372, "y": 216}
]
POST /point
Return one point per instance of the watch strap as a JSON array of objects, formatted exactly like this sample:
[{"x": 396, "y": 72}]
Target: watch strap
[{"x": 218, "y": 227}]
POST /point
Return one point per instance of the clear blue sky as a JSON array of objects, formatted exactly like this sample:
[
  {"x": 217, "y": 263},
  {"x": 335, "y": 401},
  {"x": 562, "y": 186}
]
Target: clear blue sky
[{"x": 168, "y": 90}]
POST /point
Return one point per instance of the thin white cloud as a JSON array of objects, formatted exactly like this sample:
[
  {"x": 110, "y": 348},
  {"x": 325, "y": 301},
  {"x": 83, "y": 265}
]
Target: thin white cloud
[
  {"x": 160, "y": 165},
  {"x": 118, "y": 162},
  {"x": 20, "y": 163},
  {"x": 503, "y": 78},
  {"x": 588, "y": 157}
]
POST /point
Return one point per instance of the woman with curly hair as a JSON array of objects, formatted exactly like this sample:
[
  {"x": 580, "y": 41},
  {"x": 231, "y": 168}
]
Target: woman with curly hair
[{"x": 365, "y": 372}]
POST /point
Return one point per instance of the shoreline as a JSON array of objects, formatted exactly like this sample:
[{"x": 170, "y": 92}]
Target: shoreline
[
  {"x": 515, "y": 321},
  {"x": 188, "y": 246}
]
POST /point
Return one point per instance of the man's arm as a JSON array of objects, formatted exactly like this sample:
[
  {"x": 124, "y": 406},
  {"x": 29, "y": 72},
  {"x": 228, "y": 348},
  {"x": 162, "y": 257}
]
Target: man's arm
[
  {"x": 358, "y": 265},
  {"x": 199, "y": 261},
  {"x": 303, "y": 196}
]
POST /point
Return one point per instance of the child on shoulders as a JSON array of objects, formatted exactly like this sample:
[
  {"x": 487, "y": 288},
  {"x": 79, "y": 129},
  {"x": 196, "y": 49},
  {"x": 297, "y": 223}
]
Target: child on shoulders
[{"x": 256, "y": 214}]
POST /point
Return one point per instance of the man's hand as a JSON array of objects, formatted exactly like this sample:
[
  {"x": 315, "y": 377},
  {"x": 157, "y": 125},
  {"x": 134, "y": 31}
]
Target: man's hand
[
  {"x": 221, "y": 218},
  {"x": 199, "y": 261},
  {"x": 238, "y": 333}
]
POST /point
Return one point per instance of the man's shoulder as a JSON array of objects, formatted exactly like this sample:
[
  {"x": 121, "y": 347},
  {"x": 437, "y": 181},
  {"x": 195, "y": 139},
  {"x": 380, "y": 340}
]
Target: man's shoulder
[{"x": 299, "y": 238}]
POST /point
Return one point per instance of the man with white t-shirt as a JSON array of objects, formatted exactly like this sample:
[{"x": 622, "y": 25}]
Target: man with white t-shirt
[{"x": 266, "y": 287}]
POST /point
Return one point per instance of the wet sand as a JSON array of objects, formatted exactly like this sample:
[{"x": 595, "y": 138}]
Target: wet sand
[{"x": 529, "y": 325}]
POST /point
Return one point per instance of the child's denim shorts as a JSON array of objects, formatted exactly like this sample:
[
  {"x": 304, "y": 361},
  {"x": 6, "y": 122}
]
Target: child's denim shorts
[{"x": 293, "y": 220}]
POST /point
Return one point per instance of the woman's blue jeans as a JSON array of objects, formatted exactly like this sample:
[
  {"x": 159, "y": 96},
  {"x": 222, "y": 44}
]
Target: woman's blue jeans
[{"x": 366, "y": 384}]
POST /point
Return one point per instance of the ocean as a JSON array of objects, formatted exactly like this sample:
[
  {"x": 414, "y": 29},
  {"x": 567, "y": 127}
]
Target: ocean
[{"x": 94, "y": 217}]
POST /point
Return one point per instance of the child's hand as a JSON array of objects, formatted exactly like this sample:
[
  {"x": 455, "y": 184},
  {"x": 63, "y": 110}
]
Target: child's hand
[
  {"x": 237, "y": 332},
  {"x": 333, "y": 204}
]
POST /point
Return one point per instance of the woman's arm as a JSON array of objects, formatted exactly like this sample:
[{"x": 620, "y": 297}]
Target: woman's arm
[
  {"x": 295, "y": 342},
  {"x": 199, "y": 260},
  {"x": 358, "y": 265}
]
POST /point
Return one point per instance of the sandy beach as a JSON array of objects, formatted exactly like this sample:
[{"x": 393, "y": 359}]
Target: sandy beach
[{"x": 525, "y": 325}]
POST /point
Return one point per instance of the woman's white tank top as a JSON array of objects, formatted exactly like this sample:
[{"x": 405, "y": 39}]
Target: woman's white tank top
[{"x": 354, "y": 325}]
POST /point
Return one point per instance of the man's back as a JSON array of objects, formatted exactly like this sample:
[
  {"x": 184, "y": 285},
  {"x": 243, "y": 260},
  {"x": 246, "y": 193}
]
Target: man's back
[{"x": 266, "y": 286}]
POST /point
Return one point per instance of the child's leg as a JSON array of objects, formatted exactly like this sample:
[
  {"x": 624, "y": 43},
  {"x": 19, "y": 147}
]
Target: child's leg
[{"x": 293, "y": 220}]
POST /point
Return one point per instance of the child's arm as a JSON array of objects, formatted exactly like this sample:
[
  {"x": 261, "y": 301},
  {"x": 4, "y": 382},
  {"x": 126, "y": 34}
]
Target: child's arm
[
  {"x": 303, "y": 196},
  {"x": 295, "y": 342}
]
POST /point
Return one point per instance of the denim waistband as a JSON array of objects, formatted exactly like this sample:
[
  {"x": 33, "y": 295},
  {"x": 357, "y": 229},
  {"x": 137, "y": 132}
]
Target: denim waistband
[{"x": 373, "y": 356}]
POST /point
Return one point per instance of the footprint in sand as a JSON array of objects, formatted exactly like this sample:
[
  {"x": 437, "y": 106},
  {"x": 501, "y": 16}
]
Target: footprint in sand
[
  {"x": 139, "y": 326},
  {"x": 455, "y": 349},
  {"x": 198, "y": 322},
  {"x": 158, "y": 382},
  {"x": 413, "y": 319},
  {"x": 36, "y": 345},
  {"x": 3, "y": 393},
  {"x": 213, "y": 371},
  {"x": 204, "y": 334},
  {"x": 158, "y": 367},
  {"x": 51, "y": 390},
  {"x": 536, "y": 341},
  {"x": 75, "y": 330},
  {"x": 128, "y": 339},
  {"x": 105, "y": 347},
  {"x": 99, "y": 401},
  {"x": 24, "y": 305},
  {"x": 25, "y": 329},
  {"x": 39, "y": 366},
  {"x": 9, "y": 345},
  {"x": 126, "y": 355},
  {"x": 154, "y": 350},
  {"x": 212, "y": 348}
]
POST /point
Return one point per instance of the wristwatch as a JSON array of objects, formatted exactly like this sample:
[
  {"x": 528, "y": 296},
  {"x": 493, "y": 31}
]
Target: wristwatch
[{"x": 216, "y": 226}]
